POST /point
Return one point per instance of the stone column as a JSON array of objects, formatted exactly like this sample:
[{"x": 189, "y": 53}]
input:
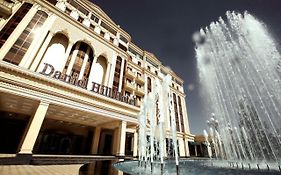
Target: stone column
[
  {"x": 112, "y": 72},
  {"x": 73, "y": 58},
  {"x": 96, "y": 140},
  {"x": 34, "y": 128},
  {"x": 42, "y": 50},
  {"x": 85, "y": 60},
  {"x": 107, "y": 74},
  {"x": 121, "y": 138},
  {"x": 135, "y": 152}
]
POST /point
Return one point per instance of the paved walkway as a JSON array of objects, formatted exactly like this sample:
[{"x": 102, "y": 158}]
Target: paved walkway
[{"x": 39, "y": 169}]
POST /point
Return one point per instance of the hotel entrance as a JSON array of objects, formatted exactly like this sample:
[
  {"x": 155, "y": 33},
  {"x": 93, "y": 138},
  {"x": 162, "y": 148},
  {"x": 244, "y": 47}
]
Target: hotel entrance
[
  {"x": 12, "y": 125},
  {"x": 63, "y": 138}
]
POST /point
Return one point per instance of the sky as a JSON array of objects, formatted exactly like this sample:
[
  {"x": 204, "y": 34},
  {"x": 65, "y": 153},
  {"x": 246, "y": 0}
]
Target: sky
[{"x": 165, "y": 28}]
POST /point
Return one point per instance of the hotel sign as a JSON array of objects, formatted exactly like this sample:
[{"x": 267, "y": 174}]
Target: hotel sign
[{"x": 50, "y": 71}]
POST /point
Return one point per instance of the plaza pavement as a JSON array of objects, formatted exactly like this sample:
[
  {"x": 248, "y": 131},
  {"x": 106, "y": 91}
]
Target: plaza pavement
[{"x": 39, "y": 169}]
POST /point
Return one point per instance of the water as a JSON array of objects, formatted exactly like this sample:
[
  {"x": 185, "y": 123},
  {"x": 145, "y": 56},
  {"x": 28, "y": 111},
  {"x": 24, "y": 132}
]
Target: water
[
  {"x": 240, "y": 73},
  {"x": 155, "y": 117},
  {"x": 240, "y": 76},
  {"x": 198, "y": 167}
]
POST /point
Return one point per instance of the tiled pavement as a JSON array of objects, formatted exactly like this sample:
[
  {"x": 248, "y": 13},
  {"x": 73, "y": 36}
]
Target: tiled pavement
[{"x": 39, "y": 169}]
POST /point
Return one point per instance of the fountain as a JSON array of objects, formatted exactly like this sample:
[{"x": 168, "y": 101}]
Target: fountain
[
  {"x": 240, "y": 73},
  {"x": 239, "y": 67}
]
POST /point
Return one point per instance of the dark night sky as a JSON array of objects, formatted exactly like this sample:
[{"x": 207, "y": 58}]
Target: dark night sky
[{"x": 165, "y": 28}]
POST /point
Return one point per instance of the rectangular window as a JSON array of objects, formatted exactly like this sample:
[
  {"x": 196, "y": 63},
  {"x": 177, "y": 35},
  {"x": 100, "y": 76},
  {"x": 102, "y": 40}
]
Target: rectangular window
[
  {"x": 13, "y": 23},
  {"x": 94, "y": 18},
  {"x": 20, "y": 47}
]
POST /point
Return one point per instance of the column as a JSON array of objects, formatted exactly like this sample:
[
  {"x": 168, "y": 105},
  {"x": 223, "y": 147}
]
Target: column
[
  {"x": 121, "y": 75},
  {"x": 135, "y": 152},
  {"x": 73, "y": 58},
  {"x": 112, "y": 72},
  {"x": 34, "y": 128},
  {"x": 121, "y": 138},
  {"x": 85, "y": 60},
  {"x": 42, "y": 50},
  {"x": 67, "y": 52},
  {"x": 17, "y": 32},
  {"x": 108, "y": 68},
  {"x": 96, "y": 140},
  {"x": 89, "y": 85},
  {"x": 186, "y": 146},
  {"x": 36, "y": 43}
]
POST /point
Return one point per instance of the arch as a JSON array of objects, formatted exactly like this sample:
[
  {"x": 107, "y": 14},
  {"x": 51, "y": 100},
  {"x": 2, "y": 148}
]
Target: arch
[
  {"x": 80, "y": 67},
  {"x": 55, "y": 52},
  {"x": 100, "y": 68}
]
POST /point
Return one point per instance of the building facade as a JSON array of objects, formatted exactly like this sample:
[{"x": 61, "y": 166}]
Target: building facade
[{"x": 72, "y": 81}]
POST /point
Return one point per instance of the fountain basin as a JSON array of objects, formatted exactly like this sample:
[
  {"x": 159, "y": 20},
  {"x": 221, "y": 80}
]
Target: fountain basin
[{"x": 198, "y": 167}]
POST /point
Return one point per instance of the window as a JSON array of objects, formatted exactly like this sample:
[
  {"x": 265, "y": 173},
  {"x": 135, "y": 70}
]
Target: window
[
  {"x": 148, "y": 67},
  {"x": 13, "y": 23},
  {"x": 156, "y": 72},
  {"x": 94, "y": 18},
  {"x": 82, "y": 51},
  {"x": 20, "y": 47},
  {"x": 111, "y": 39},
  {"x": 67, "y": 10},
  {"x": 102, "y": 33},
  {"x": 149, "y": 85},
  {"x": 176, "y": 112},
  {"x": 122, "y": 47},
  {"x": 117, "y": 72},
  {"x": 139, "y": 63},
  {"x": 92, "y": 27},
  {"x": 181, "y": 114},
  {"x": 80, "y": 19}
]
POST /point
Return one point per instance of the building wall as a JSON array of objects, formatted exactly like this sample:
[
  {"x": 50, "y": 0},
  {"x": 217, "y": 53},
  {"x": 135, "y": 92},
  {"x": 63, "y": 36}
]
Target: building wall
[{"x": 67, "y": 70}]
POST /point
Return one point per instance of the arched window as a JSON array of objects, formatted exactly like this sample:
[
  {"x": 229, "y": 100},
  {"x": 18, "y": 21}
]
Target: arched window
[
  {"x": 13, "y": 23},
  {"x": 81, "y": 51},
  {"x": 176, "y": 112},
  {"x": 181, "y": 114},
  {"x": 117, "y": 72},
  {"x": 20, "y": 47}
]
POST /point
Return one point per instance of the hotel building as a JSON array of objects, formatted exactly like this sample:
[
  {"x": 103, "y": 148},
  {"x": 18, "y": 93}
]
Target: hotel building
[{"x": 72, "y": 82}]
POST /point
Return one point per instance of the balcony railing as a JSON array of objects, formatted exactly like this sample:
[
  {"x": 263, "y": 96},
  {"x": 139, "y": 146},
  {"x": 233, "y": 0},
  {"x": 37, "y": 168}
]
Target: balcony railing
[
  {"x": 129, "y": 86},
  {"x": 140, "y": 91},
  {"x": 130, "y": 74},
  {"x": 140, "y": 79}
]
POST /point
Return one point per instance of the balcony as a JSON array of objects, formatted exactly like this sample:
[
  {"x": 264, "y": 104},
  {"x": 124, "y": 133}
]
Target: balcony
[
  {"x": 140, "y": 79},
  {"x": 130, "y": 74},
  {"x": 140, "y": 91},
  {"x": 130, "y": 87},
  {"x": 6, "y": 8}
]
